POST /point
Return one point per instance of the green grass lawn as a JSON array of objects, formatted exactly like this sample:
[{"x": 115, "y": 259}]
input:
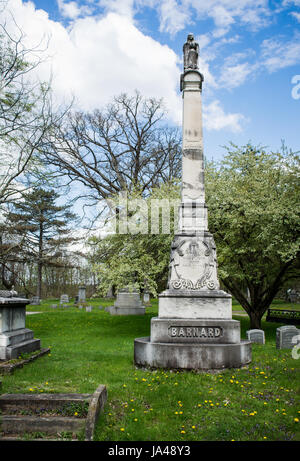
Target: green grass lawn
[{"x": 258, "y": 402}]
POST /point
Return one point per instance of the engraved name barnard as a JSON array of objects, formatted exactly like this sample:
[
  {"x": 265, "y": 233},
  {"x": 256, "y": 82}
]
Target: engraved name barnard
[{"x": 195, "y": 332}]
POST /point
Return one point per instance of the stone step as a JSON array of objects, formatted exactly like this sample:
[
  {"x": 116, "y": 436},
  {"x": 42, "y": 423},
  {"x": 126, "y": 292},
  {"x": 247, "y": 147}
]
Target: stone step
[
  {"x": 12, "y": 403},
  {"x": 30, "y": 415},
  {"x": 12, "y": 424},
  {"x": 14, "y": 337},
  {"x": 13, "y": 352}
]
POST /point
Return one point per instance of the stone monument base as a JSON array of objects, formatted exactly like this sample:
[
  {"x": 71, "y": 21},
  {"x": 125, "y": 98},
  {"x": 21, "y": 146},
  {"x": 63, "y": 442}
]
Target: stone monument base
[
  {"x": 15, "y": 338},
  {"x": 127, "y": 303},
  {"x": 125, "y": 310},
  {"x": 194, "y": 330},
  {"x": 214, "y": 356},
  {"x": 195, "y": 304},
  {"x": 15, "y": 343}
]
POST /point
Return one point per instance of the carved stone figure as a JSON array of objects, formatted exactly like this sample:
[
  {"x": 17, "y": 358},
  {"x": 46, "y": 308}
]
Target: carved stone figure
[{"x": 190, "y": 53}]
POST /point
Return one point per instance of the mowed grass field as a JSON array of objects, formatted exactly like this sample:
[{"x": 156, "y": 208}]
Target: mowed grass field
[{"x": 259, "y": 402}]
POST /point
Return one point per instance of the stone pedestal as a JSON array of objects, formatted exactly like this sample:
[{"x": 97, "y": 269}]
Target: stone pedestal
[
  {"x": 194, "y": 328},
  {"x": 15, "y": 338},
  {"x": 127, "y": 303}
]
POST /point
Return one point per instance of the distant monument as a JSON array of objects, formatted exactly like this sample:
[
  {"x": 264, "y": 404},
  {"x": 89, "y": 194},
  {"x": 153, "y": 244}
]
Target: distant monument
[
  {"x": 194, "y": 328},
  {"x": 127, "y": 303},
  {"x": 81, "y": 295},
  {"x": 15, "y": 338}
]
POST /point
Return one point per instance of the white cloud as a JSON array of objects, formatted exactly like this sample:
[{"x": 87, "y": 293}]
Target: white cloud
[
  {"x": 172, "y": 17},
  {"x": 295, "y": 15},
  {"x": 121, "y": 7},
  {"x": 279, "y": 53},
  {"x": 215, "y": 118},
  {"x": 101, "y": 57},
  {"x": 69, "y": 10},
  {"x": 234, "y": 76},
  {"x": 224, "y": 13}
]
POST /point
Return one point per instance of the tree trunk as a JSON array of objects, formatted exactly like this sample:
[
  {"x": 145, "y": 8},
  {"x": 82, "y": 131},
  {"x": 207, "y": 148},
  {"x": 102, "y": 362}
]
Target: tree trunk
[
  {"x": 255, "y": 320},
  {"x": 40, "y": 264}
]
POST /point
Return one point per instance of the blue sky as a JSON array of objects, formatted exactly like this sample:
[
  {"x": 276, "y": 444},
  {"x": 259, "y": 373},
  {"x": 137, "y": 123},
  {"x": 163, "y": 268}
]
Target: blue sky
[{"x": 249, "y": 54}]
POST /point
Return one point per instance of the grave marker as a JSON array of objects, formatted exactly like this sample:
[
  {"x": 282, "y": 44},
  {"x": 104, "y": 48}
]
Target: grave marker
[
  {"x": 285, "y": 335},
  {"x": 256, "y": 336}
]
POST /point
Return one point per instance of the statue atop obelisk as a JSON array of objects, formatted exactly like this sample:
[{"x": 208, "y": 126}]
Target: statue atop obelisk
[
  {"x": 194, "y": 328},
  {"x": 193, "y": 264}
]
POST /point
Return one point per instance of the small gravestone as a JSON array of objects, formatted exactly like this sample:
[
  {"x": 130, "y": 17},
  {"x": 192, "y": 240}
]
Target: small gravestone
[
  {"x": 88, "y": 308},
  {"x": 146, "y": 299},
  {"x": 54, "y": 306},
  {"x": 256, "y": 336},
  {"x": 127, "y": 303},
  {"x": 81, "y": 294},
  {"x": 64, "y": 299},
  {"x": 285, "y": 336},
  {"x": 35, "y": 301},
  {"x": 110, "y": 293}
]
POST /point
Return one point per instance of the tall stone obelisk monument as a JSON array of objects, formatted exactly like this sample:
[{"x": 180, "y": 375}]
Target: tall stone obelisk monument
[{"x": 194, "y": 328}]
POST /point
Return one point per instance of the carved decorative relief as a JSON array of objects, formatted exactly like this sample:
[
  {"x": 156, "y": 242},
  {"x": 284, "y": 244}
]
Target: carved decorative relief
[{"x": 193, "y": 264}]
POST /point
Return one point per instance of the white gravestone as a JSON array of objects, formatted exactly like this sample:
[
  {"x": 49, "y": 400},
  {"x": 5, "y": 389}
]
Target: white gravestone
[
  {"x": 256, "y": 336},
  {"x": 64, "y": 299},
  {"x": 35, "y": 301},
  {"x": 15, "y": 338},
  {"x": 127, "y": 303},
  {"x": 285, "y": 337},
  {"x": 81, "y": 295}
]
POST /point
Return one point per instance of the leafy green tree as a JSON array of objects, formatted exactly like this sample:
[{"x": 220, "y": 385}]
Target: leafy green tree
[
  {"x": 40, "y": 230},
  {"x": 137, "y": 258},
  {"x": 254, "y": 207}
]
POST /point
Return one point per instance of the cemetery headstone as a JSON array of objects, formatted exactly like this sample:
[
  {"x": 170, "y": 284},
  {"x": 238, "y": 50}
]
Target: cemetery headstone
[
  {"x": 285, "y": 336},
  {"x": 35, "y": 301},
  {"x": 81, "y": 294},
  {"x": 127, "y": 303},
  {"x": 256, "y": 336},
  {"x": 88, "y": 308},
  {"x": 110, "y": 293},
  {"x": 15, "y": 338},
  {"x": 54, "y": 306},
  {"x": 194, "y": 328},
  {"x": 64, "y": 299},
  {"x": 146, "y": 299}
]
